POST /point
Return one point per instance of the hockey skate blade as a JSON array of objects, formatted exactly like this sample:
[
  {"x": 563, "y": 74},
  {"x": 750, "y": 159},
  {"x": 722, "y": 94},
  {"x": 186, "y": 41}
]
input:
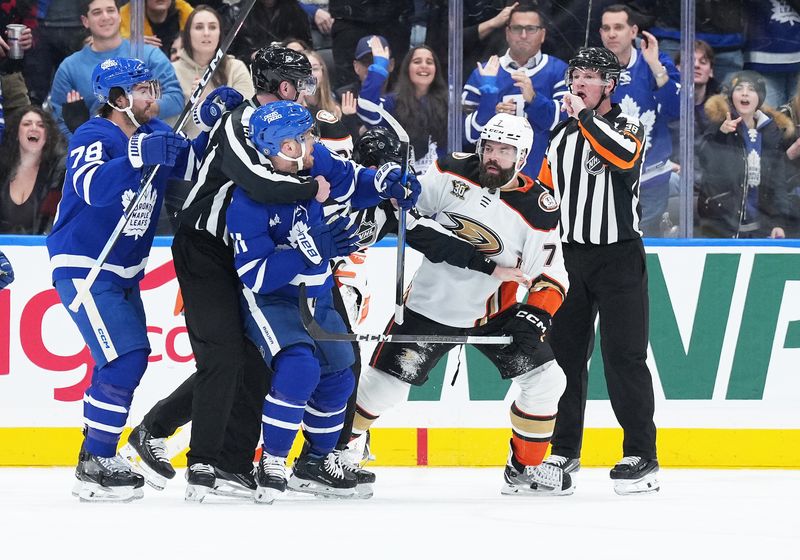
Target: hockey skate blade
[
  {"x": 364, "y": 491},
  {"x": 93, "y": 492},
  {"x": 227, "y": 490},
  {"x": 266, "y": 495},
  {"x": 152, "y": 478},
  {"x": 516, "y": 490},
  {"x": 320, "y": 490},
  {"x": 648, "y": 484},
  {"x": 196, "y": 493}
]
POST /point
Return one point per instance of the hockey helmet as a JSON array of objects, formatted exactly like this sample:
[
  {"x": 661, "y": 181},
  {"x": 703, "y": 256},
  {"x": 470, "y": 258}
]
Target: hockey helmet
[
  {"x": 377, "y": 146},
  {"x": 275, "y": 64},
  {"x": 123, "y": 73},
  {"x": 754, "y": 79},
  {"x": 275, "y": 122},
  {"x": 595, "y": 58},
  {"x": 509, "y": 129}
]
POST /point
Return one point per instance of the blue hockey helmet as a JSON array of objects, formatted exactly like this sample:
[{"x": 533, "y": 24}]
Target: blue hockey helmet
[
  {"x": 123, "y": 73},
  {"x": 277, "y": 121}
]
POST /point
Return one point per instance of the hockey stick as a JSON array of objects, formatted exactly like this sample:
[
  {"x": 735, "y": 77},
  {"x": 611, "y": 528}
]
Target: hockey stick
[
  {"x": 402, "y": 135},
  {"x": 588, "y": 24},
  {"x": 150, "y": 173},
  {"x": 318, "y": 333}
]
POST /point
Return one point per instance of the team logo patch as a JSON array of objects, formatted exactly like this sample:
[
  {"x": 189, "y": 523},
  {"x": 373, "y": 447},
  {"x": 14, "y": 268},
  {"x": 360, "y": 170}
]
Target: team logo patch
[
  {"x": 593, "y": 164},
  {"x": 459, "y": 188},
  {"x": 482, "y": 237},
  {"x": 326, "y": 116},
  {"x": 548, "y": 202},
  {"x": 460, "y": 155}
]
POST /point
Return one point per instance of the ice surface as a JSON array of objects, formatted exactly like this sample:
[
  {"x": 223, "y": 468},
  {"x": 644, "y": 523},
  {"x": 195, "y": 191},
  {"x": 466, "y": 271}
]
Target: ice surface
[{"x": 417, "y": 513}]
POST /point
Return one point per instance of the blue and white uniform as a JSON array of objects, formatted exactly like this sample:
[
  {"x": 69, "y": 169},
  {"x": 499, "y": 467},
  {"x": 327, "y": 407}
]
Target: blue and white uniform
[
  {"x": 544, "y": 112},
  {"x": 101, "y": 179}
]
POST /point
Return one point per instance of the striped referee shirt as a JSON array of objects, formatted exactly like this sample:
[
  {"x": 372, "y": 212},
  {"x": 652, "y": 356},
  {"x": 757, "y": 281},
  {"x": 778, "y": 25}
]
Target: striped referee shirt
[
  {"x": 231, "y": 159},
  {"x": 593, "y": 165}
]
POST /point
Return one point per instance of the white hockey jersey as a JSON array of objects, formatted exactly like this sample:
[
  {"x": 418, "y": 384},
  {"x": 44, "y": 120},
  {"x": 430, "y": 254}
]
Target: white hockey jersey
[{"x": 516, "y": 227}]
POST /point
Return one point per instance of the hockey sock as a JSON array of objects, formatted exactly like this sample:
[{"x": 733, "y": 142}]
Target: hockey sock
[
  {"x": 108, "y": 399},
  {"x": 297, "y": 374},
  {"x": 530, "y": 436},
  {"x": 361, "y": 422},
  {"x": 324, "y": 416}
]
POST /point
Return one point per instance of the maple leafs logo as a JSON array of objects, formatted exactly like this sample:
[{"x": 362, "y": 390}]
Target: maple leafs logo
[
  {"x": 783, "y": 13},
  {"x": 647, "y": 119},
  {"x": 141, "y": 215}
]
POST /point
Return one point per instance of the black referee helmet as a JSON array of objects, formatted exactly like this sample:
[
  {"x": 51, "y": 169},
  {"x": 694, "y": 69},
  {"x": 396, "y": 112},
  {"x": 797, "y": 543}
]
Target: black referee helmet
[
  {"x": 275, "y": 64},
  {"x": 595, "y": 58}
]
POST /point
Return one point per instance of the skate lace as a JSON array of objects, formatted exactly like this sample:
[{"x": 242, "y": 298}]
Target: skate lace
[
  {"x": 158, "y": 448},
  {"x": 557, "y": 460},
  {"x": 113, "y": 464},
  {"x": 202, "y": 468},
  {"x": 545, "y": 474},
  {"x": 630, "y": 460},
  {"x": 346, "y": 461},
  {"x": 273, "y": 466},
  {"x": 333, "y": 466}
]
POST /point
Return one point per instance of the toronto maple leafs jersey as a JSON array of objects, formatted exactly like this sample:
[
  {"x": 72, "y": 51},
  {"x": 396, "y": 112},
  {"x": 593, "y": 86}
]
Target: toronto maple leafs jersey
[
  {"x": 544, "y": 112},
  {"x": 517, "y": 227},
  {"x": 99, "y": 183},
  {"x": 638, "y": 96},
  {"x": 772, "y": 42}
]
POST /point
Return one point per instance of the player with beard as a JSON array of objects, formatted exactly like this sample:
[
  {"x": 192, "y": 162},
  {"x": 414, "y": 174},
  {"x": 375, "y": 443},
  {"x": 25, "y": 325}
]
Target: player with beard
[{"x": 484, "y": 199}]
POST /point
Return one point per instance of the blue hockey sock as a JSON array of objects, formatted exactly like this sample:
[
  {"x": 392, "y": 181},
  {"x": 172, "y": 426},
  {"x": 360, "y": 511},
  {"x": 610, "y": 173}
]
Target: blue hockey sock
[
  {"x": 324, "y": 415},
  {"x": 296, "y": 376}
]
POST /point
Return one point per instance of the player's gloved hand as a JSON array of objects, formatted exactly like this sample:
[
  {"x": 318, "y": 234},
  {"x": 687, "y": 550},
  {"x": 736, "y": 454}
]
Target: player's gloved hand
[
  {"x": 6, "y": 272},
  {"x": 323, "y": 241},
  {"x": 529, "y": 327},
  {"x": 156, "y": 148},
  {"x": 388, "y": 183},
  {"x": 206, "y": 114}
]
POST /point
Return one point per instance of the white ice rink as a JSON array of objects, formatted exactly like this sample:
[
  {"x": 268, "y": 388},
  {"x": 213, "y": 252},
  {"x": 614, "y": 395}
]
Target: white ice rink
[{"x": 417, "y": 513}]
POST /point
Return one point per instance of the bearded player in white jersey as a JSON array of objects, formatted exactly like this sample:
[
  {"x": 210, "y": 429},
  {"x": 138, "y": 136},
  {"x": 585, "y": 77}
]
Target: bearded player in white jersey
[{"x": 484, "y": 199}]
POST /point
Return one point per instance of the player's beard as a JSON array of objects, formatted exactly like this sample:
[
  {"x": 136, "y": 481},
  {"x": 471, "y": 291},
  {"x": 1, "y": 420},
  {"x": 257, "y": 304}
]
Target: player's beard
[
  {"x": 145, "y": 114},
  {"x": 492, "y": 180}
]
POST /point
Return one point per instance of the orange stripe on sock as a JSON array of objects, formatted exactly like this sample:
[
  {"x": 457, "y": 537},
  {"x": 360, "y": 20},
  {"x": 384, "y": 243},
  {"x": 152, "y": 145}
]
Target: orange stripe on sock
[{"x": 529, "y": 453}]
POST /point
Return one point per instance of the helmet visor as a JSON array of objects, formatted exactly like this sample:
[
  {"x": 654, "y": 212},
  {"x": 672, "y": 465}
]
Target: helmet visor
[
  {"x": 150, "y": 89},
  {"x": 307, "y": 85},
  {"x": 586, "y": 76},
  {"x": 504, "y": 154}
]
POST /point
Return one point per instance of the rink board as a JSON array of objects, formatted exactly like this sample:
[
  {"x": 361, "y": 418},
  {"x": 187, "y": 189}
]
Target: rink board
[{"x": 724, "y": 352}]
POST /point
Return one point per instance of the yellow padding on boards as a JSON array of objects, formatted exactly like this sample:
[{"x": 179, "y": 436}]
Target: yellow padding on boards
[{"x": 677, "y": 447}]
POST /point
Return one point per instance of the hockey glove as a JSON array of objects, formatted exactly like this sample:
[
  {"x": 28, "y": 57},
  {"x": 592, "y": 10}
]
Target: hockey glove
[
  {"x": 529, "y": 327},
  {"x": 322, "y": 242},
  {"x": 388, "y": 184},
  {"x": 222, "y": 99},
  {"x": 157, "y": 148},
  {"x": 6, "y": 272}
]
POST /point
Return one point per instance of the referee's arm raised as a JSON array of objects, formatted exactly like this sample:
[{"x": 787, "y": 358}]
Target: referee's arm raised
[{"x": 619, "y": 144}]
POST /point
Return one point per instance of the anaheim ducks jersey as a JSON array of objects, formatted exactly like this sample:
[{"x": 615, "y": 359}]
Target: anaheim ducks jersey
[{"x": 514, "y": 227}]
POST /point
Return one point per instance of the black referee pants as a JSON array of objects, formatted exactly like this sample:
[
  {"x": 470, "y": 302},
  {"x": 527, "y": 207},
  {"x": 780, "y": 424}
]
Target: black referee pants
[
  {"x": 225, "y": 396},
  {"x": 611, "y": 280}
]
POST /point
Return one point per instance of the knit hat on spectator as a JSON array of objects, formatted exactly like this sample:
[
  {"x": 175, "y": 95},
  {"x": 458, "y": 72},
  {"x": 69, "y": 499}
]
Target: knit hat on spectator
[
  {"x": 753, "y": 78},
  {"x": 363, "y": 48}
]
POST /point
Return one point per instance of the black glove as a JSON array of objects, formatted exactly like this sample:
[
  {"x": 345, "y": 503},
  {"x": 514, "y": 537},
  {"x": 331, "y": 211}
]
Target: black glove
[
  {"x": 529, "y": 326},
  {"x": 323, "y": 241},
  {"x": 74, "y": 113}
]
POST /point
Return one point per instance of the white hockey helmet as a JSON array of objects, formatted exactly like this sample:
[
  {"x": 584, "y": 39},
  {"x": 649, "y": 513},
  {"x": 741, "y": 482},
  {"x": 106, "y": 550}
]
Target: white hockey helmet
[{"x": 512, "y": 130}]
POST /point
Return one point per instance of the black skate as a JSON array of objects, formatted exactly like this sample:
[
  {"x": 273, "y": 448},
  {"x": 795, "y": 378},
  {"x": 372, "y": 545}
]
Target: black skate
[
  {"x": 153, "y": 462},
  {"x": 635, "y": 475},
  {"x": 546, "y": 479},
  {"x": 270, "y": 478},
  {"x": 106, "y": 479},
  {"x": 364, "y": 478},
  {"x": 234, "y": 484},
  {"x": 200, "y": 481},
  {"x": 322, "y": 476}
]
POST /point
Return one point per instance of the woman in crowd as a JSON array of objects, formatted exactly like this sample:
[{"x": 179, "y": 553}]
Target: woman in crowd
[
  {"x": 744, "y": 191},
  {"x": 418, "y": 101},
  {"x": 31, "y": 171},
  {"x": 324, "y": 100},
  {"x": 200, "y": 39}
]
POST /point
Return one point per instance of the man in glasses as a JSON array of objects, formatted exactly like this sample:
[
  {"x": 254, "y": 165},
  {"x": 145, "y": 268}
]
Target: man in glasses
[{"x": 523, "y": 82}]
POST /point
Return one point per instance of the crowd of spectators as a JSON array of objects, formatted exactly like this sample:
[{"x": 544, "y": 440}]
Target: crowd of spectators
[{"x": 393, "y": 53}]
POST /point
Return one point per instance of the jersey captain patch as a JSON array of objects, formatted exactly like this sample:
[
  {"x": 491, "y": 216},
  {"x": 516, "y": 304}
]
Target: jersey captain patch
[{"x": 482, "y": 237}]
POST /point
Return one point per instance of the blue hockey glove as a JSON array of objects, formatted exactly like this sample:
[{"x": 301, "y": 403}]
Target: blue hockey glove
[
  {"x": 157, "y": 148},
  {"x": 6, "y": 272},
  {"x": 388, "y": 184},
  {"x": 207, "y": 113},
  {"x": 322, "y": 242}
]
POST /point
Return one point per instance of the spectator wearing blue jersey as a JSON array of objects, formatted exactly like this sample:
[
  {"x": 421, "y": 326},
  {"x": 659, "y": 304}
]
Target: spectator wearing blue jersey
[
  {"x": 6, "y": 272},
  {"x": 524, "y": 82},
  {"x": 418, "y": 100},
  {"x": 649, "y": 89},
  {"x": 101, "y": 18},
  {"x": 106, "y": 161}
]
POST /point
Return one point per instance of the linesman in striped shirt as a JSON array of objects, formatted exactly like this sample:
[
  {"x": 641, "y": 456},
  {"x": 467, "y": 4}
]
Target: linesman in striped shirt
[{"x": 593, "y": 164}]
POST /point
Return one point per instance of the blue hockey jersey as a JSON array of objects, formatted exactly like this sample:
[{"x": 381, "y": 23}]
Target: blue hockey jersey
[
  {"x": 99, "y": 184},
  {"x": 772, "y": 42},
  {"x": 639, "y": 96},
  {"x": 547, "y": 74}
]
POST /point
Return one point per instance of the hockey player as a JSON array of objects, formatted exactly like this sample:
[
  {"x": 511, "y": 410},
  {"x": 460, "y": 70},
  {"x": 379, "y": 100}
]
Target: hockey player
[
  {"x": 277, "y": 248},
  {"x": 107, "y": 157},
  {"x": 483, "y": 198},
  {"x": 6, "y": 272}
]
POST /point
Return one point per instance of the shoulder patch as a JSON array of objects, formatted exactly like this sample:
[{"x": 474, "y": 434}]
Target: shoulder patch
[
  {"x": 460, "y": 155},
  {"x": 326, "y": 116},
  {"x": 542, "y": 215},
  {"x": 548, "y": 202}
]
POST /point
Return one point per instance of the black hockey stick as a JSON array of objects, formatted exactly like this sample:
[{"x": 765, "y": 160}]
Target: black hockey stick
[
  {"x": 150, "y": 173},
  {"x": 405, "y": 146},
  {"x": 318, "y": 333}
]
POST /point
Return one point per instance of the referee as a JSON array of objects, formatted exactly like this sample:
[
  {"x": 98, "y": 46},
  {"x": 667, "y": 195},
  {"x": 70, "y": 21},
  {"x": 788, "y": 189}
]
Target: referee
[{"x": 593, "y": 164}]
